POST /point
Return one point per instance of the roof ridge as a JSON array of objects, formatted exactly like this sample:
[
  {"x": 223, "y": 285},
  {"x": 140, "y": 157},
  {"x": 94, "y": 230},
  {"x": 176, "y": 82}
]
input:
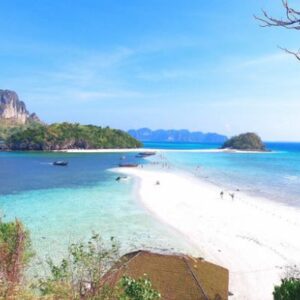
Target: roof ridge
[{"x": 195, "y": 277}]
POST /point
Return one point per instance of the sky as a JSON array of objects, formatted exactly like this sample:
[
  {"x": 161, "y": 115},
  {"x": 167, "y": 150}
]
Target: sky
[{"x": 194, "y": 64}]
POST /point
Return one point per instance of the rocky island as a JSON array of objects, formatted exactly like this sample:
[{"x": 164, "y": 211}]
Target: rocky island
[
  {"x": 245, "y": 142},
  {"x": 20, "y": 130},
  {"x": 13, "y": 111}
]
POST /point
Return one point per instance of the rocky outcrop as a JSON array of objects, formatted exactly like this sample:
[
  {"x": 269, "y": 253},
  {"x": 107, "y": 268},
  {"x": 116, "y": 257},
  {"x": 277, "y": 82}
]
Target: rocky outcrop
[
  {"x": 245, "y": 142},
  {"x": 13, "y": 111}
]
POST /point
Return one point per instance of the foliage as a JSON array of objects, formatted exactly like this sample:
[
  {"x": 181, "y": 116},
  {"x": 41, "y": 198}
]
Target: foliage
[
  {"x": 245, "y": 141},
  {"x": 15, "y": 254},
  {"x": 7, "y": 129},
  {"x": 67, "y": 135},
  {"x": 79, "y": 275},
  {"x": 288, "y": 290},
  {"x": 137, "y": 289}
]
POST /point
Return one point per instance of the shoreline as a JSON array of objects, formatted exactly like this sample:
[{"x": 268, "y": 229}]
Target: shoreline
[
  {"x": 189, "y": 245},
  {"x": 254, "y": 238},
  {"x": 136, "y": 150}
]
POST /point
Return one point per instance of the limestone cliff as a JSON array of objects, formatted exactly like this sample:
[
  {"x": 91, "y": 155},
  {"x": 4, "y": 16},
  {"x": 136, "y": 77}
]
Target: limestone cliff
[{"x": 13, "y": 111}]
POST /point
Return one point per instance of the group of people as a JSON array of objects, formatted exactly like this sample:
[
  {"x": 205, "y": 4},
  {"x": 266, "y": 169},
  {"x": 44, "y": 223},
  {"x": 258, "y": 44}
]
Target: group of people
[
  {"x": 164, "y": 163},
  {"x": 232, "y": 195}
]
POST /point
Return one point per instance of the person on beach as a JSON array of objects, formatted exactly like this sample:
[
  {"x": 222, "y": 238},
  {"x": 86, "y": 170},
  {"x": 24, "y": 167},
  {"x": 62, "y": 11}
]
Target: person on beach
[
  {"x": 221, "y": 194},
  {"x": 232, "y": 196}
]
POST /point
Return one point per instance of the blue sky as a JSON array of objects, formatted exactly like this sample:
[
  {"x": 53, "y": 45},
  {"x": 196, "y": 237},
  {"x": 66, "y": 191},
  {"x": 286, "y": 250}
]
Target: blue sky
[{"x": 201, "y": 65}]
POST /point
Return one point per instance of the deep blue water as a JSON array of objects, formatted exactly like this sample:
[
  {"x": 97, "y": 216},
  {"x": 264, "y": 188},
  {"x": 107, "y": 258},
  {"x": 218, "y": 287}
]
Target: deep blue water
[
  {"x": 60, "y": 205},
  {"x": 20, "y": 171}
]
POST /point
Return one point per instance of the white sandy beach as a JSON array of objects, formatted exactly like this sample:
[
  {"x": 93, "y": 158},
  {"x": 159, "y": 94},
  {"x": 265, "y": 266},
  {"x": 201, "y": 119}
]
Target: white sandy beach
[
  {"x": 254, "y": 238},
  {"x": 136, "y": 150}
]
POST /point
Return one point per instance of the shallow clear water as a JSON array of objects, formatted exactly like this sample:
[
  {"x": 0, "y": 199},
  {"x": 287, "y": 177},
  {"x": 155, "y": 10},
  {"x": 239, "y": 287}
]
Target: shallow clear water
[
  {"x": 60, "y": 205},
  {"x": 274, "y": 174}
]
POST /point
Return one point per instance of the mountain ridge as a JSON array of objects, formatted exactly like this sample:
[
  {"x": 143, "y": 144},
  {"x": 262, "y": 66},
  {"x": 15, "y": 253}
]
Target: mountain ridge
[{"x": 173, "y": 135}]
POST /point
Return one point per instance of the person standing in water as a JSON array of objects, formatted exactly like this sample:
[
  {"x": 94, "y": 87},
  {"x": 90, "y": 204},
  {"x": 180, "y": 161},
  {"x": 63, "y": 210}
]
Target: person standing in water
[{"x": 221, "y": 194}]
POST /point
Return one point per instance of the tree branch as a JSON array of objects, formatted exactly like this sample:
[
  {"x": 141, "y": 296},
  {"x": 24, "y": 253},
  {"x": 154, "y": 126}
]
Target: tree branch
[
  {"x": 292, "y": 20},
  {"x": 296, "y": 54}
]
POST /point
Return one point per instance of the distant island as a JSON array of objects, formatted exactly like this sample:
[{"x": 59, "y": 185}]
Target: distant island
[
  {"x": 20, "y": 130},
  {"x": 160, "y": 135},
  {"x": 65, "y": 136},
  {"x": 245, "y": 142}
]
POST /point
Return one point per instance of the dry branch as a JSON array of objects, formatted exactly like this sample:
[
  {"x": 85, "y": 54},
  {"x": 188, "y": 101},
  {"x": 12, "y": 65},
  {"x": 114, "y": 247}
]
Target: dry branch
[{"x": 291, "y": 21}]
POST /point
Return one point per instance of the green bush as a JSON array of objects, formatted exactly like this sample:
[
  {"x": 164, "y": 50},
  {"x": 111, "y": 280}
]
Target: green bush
[
  {"x": 79, "y": 275},
  {"x": 15, "y": 254},
  {"x": 137, "y": 289},
  {"x": 288, "y": 290}
]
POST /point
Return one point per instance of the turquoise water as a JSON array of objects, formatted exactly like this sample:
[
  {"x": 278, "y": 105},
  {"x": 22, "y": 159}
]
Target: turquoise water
[
  {"x": 275, "y": 174},
  {"x": 61, "y": 205}
]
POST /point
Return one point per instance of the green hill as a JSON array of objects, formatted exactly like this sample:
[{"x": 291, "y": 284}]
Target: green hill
[
  {"x": 62, "y": 136},
  {"x": 247, "y": 141}
]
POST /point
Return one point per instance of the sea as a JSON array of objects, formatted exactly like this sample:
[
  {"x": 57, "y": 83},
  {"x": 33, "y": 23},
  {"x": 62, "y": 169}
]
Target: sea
[{"x": 63, "y": 205}]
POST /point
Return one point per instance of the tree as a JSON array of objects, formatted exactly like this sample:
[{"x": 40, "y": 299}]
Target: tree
[
  {"x": 15, "y": 254},
  {"x": 290, "y": 21},
  {"x": 289, "y": 289}
]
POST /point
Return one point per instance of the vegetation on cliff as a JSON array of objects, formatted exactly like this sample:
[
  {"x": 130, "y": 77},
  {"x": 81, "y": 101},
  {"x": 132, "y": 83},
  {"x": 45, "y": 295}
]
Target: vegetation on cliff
[
  {"x": 60, "y": 136},
  {"x": 7, "y": 128},
  {"x": 247, "y": 141}
]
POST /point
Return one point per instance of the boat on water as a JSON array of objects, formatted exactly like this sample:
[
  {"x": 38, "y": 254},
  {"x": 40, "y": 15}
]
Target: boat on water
[
  {"x": 60, "y": 163},
  {"x": 145, "y": 154},
  {"x": 121, "y": 178},
  {"x": 128, "y": 165}
]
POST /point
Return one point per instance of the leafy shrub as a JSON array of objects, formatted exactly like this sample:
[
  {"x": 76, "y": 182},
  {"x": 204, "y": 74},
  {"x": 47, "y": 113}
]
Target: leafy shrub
[
  {"x": 140, "y": 289},
  {"x": 288, "y": 290},
  {"x": 15, "y": 254},
  {"x": 79, "y": 275},
  {"x": 76, "y": 277}
]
